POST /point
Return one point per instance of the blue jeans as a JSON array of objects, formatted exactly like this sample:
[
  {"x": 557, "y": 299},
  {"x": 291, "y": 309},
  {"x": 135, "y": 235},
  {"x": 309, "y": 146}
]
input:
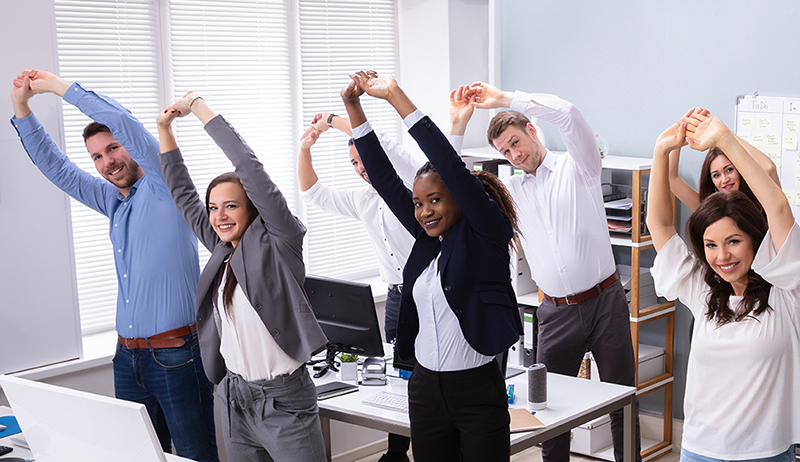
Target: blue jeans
[
  {"x": 172, "y": 385},
  {"x": 788, "y": 456},
  {"x": 391, "y": 313}
]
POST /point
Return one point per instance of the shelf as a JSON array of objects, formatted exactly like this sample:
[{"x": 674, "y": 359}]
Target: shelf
[
  {"x": 626, "y": 241},
  {"x": 627, "y": 163},
  {"x": 655, "y": 311},
  {"x": 486, "y": 152},
  {"x": 531, "y": 299}
]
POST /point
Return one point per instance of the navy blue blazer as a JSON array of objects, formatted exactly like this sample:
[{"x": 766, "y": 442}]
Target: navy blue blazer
[{"x": 476, "y": 277}]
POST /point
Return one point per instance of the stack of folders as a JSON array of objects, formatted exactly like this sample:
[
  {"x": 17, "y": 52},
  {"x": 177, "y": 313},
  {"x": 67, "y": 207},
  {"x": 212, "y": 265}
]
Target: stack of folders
[{"x": 647, "y": 289}]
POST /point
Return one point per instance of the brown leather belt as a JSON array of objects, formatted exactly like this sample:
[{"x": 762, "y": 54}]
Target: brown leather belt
[
  {"x": 583, "y": 296},
  {"x": 169, "y": 339}
]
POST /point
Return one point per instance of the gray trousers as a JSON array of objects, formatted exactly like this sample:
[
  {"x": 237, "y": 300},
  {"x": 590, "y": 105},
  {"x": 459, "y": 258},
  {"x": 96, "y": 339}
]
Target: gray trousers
[
  {"x": 271, "y": 420},
  {"x": 602, "y": 326}
]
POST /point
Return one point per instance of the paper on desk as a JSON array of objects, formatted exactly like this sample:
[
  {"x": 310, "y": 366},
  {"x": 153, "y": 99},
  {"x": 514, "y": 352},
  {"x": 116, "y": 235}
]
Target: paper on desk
[
  {"x": 523, "y": 421},
  {"x": 12, "y": 427}
]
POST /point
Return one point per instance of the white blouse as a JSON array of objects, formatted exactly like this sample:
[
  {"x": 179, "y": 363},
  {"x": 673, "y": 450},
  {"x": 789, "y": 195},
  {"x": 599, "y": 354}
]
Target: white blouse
[
  {"x": 247, "y": 347},
  {"x": 440, "y": 344},
  {"x": 743, "y": 381}
]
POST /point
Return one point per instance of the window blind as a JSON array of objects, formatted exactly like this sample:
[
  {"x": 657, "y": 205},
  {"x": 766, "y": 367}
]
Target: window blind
[
  {"x": 111, "y": 48},
  {"x": 338, "y": 37}
]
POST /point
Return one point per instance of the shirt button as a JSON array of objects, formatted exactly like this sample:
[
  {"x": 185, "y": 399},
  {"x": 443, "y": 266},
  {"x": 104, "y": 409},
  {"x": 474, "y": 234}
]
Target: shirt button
[
  {"x": 130, "y": 327},
  {"x": 275, "y": 332},
  {"x": 124, "y": 275},
  {"x": 119, "y": 250},
  {"x": 447, "y": 288},
  {"x": 115, "y": 225},
  {"x": 257, "y": 306},
  {"x": 127, "y": 301}
]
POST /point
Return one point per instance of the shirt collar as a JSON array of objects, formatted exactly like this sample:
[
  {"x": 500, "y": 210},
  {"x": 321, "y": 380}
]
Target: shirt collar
[
  {"x": 549, "y": 163},
  {"x": 132, "y": 190}
]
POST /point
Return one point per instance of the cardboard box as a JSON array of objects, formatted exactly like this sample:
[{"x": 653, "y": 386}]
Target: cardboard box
[{"x": 592, "y": 436}]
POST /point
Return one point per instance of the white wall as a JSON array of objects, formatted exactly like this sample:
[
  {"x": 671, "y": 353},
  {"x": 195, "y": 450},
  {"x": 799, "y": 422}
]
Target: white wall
[{"x": 37, "y": 274}]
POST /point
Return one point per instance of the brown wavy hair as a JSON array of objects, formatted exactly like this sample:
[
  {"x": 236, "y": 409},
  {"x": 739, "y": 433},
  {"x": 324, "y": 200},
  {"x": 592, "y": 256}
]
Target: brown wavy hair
[
  {"x": 707, "y": 187},
  {"x": 230, "y": 278},
  {"x": 749, "y": 219},
  {"x": 497, "y": 192}
]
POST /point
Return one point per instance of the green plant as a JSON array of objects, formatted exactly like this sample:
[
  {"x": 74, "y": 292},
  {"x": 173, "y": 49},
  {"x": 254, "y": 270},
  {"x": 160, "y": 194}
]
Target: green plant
[{"x": 349, "y": 358}]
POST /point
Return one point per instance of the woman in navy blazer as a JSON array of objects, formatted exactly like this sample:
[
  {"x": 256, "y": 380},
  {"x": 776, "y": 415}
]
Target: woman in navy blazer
[
  {"x": 255, "y": 324},
  {"x": 458, "y": 308}
]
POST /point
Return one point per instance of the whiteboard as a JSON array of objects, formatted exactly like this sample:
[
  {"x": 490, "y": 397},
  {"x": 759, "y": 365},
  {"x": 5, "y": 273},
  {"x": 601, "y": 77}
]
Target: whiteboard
[{"x": 772, "y": 124}]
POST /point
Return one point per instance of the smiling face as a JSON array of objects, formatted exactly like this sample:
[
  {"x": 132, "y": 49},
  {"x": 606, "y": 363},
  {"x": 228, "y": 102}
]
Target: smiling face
[
  {"x": 113, "y": 162},
  {"x": 729, "y": 252},
  {"x": 724, "y": 175},
  {"x": 227, "y": 211},
  {"x": 434, "y": 206},
  {"x": 355, "y": 161},
  {"x": 521, "y": 147}
]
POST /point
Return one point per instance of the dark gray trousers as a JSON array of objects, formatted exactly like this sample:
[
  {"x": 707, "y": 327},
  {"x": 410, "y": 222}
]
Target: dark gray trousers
[
  {"x": 271, "y": 420},
  {"x": 602, "y": 326}
]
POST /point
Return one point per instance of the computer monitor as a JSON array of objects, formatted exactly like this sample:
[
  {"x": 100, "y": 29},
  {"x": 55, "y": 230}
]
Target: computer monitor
[
  {"x": 63, "y": 424},
  {"x": 346, "y": 312}
]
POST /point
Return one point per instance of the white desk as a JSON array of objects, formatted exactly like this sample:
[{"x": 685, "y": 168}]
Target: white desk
[
  {"x": 27, "y": 454},
  {"x": 571, "y": 402}
]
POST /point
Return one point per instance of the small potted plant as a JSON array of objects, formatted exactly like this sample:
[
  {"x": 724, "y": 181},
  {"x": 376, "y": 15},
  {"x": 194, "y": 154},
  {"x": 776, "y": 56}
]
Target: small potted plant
[{"x": 349, "y": 370}]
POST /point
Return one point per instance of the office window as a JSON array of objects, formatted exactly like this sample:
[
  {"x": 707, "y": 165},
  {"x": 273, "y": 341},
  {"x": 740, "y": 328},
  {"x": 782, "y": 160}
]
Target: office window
[
  {"x": 111, "y": 48},
  {"x": 266, "y": 65},
  {"x": 336, "y": 39}
]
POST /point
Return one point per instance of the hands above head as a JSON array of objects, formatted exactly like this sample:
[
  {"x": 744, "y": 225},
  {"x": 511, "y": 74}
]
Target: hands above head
[
  {"x": 320, "y": 121},
  {"x": 461, "y": 110},
  {"x": 46, "y": 82},
  {"x": 351, "y": 93},
  {"x": 674, "y": 136},
  {"x": 376, "y": 86},
  {"x": 21, "y": 91},
  {"x": 703, "y": 130},
  {"x": 485, "y": 96},
  {"x": 180, "y": 108},
  {"x": 309, "y": 137}
]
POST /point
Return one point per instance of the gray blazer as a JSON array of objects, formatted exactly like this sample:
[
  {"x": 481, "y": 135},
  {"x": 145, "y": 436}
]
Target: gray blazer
[{"x": 268, "y": 263}]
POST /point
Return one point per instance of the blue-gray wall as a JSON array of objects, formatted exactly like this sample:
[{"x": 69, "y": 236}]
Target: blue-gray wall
[{"x": 634, "y": 67}]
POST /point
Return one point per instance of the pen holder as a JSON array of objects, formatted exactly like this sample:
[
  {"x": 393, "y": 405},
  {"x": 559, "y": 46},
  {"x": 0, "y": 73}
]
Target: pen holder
[{"x": 537, "y": 387}]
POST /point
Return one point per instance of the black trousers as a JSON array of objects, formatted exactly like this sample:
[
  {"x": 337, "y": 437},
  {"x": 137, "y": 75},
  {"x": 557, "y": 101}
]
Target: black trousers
[
  {"x": 601, "y": 325},
  {"x": 459, "y": 416}
]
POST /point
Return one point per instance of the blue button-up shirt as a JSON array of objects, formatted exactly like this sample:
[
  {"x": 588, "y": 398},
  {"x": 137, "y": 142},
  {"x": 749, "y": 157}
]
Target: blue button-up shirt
[{"x": 155, "y": 252}]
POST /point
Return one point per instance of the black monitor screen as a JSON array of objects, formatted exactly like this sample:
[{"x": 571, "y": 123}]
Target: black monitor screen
[{"x": 346, "y": 312}]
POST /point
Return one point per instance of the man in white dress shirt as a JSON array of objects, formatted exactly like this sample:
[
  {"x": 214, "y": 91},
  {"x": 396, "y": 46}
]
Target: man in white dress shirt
[
  {"x": 565, "y": 237},
  {"x": 390, "y": 240}
]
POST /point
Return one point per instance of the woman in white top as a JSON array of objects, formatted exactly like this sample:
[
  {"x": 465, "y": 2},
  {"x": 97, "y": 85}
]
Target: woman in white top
[
  {"x": 255, "y": 325},
  {"x": 742, "y": 284}
]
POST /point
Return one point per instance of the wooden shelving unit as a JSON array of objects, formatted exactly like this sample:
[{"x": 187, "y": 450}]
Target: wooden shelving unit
[{"x": 638, "y": 242}]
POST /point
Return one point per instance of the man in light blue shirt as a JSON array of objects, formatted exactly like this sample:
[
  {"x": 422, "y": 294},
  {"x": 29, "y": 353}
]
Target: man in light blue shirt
[{"x": 157, "y": 362}]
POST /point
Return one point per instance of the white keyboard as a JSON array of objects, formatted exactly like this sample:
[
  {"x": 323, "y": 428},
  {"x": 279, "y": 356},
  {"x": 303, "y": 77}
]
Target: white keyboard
[{"x": 387, "y": 400}]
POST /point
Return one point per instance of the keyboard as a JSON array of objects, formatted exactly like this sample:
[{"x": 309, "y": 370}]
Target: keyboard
[{"x": 386, "y": 400}]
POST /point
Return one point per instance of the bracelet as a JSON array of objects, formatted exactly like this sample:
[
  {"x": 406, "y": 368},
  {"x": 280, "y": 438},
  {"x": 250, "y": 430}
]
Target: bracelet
[
  {"x": 330, "y": 118},
  {"x": 194, "y": 97}
]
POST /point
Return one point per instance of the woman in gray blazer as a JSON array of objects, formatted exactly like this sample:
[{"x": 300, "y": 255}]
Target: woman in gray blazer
[{"x": 255, "y": 324}]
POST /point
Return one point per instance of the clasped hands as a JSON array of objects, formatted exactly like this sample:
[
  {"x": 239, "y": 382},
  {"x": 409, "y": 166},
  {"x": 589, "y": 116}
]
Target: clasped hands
[{"x": 697, "y": 128}]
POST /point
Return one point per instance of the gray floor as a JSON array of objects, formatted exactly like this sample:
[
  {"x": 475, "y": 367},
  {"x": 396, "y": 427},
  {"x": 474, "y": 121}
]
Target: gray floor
[{"x": 534, "y": 454}]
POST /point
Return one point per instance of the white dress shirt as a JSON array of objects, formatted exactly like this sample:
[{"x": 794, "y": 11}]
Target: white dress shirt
[
  {"x": 440, "y": 344},
  {"x": 743, "y": 378},
  {"x": 561, "y": 213},
  {"x": 247, "y": 347},
  {"x": 391, "y": 242}
]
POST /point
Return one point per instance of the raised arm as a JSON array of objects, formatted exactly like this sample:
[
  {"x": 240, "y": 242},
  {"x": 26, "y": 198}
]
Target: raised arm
[
  {"x": 127, "y": 130},
  {"x": 483, "y": 214},
  {"x": 575, "y": 131},
  {"x": 306, "y": 175},
  {"x": 659, "y": 200},
  {"x": 179, "y": 182},
  {"x": 48, "y": 158},
  {"x": 262, "y": 191},
  {"x": 763, "y": 160},
  {"x": 678, "y": 185},
  {"x": 325, "y": 120},
  {"x": 705, "y": 131}
]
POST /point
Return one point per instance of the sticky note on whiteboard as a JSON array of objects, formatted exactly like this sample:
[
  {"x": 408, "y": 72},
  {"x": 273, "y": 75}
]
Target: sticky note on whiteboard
[
  {"x": 773, "y": 140},
  {"x": 746, "y": 123},
  {"x": 775, "y": 155},
  {"x": 796, "y": 197},
  {"x": 789, "y": 142},
  {"x": 764, "y": 123},
  {"x": 758, "y": 140},
  {"x": 746, "y": 136},
  {"x": 789, "y": 195},
  {"x": 791, "y": 124}
]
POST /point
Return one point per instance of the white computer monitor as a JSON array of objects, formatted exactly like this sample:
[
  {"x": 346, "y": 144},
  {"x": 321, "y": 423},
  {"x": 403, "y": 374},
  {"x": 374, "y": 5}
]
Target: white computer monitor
[{"x": 61, "y": 424}]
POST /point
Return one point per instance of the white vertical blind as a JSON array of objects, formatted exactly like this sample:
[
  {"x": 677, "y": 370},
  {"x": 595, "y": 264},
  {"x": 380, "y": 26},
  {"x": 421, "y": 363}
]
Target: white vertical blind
[
  {"x": 111, "y": 48},
  {"x": 241, "y": 56},
  {"x": 338, "y": 37},
  {"x": 236, "y": 55}
]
